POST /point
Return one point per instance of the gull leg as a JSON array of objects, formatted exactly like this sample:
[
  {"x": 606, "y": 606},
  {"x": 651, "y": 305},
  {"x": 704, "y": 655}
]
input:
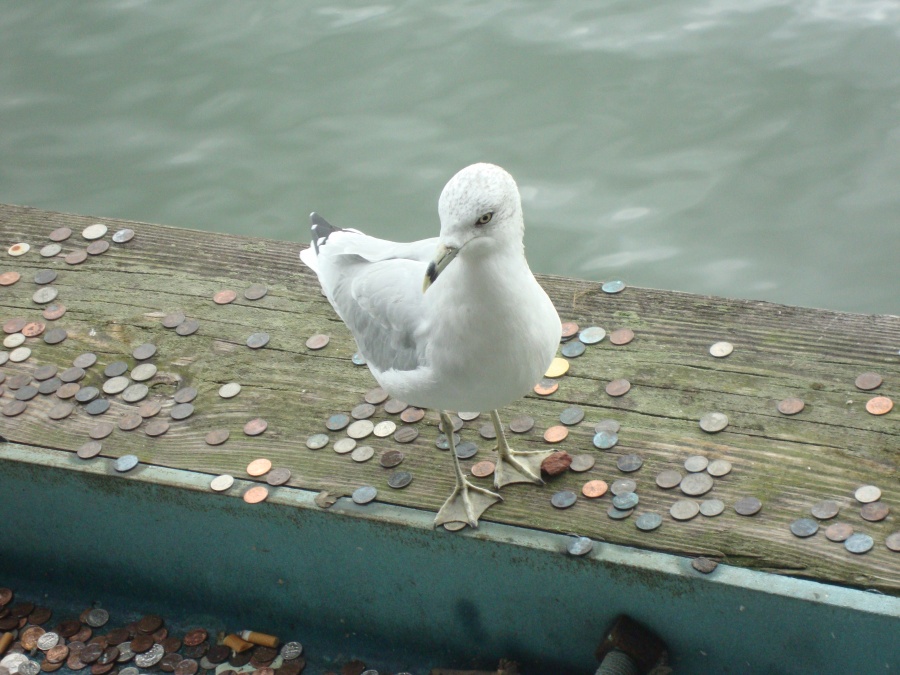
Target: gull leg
[
  {"x": 467, "y": 502},
  {"x": 512, "y": 466}
]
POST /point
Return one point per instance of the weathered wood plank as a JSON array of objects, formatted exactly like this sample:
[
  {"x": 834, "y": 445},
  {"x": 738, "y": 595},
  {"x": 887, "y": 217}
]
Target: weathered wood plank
[{"x": 116, "y": 300}]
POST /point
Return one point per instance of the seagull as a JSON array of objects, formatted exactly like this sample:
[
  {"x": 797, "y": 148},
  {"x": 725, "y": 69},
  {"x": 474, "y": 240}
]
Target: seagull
[{"x": 455, "y": 322}]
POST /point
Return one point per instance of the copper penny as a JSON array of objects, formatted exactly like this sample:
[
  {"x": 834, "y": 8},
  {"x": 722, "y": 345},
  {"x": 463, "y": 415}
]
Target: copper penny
[
  {"x": 89, "y": 450},
  {"x": 14, "y": 325},
  {"x": 556, "y": 434},
  {"x": 569, "y": 330},
  {"x": 376, "y": 396},
  {"x": 594, "y": 488},
  {"x": 101, "y": 430},
  {"x": 825, "y": 509},
  {"x": 668, "y": 479},
  {"x": 217, "y": 436},
  {"x": 224, "y": 297},
  {"x": 790, "y": 406},
  {"x": 53, "y": 312},
  {"x": 60, "y": 234},
  {"x": 195, "y": 636},
  {"x": 97, "y": 247},
  {"x": 255, "y": 426},
  {"x": 29, "y": 637},
  {"x": 188, "y": 666},
  {"x": 258, "y": 467},
  {"x": 363, "y": 411},
  {"x": 868, "y": 381},
  {"x": 521, "y": 424},
  {"x": 892, "y": 541},
  {"x": 546, "y": 387},
  {"x": 316, "y": 342},
  {"x": 130, "y": 421},
  {"x": 838, "y": 531},
  {"x": 482, "y": 469},
  {"x": 395, "y": 406},
  {"x": 149, "y": 409},
  {"x": 156, "y": 428},
  {"x": 278, "y": 476},
  {"x": 622, "y": 336},
  {"x": 406, "y": 434},
  {"x": 9, "y": 278},
  {"x": 148, "y": 624},
  {"x": 76, "y": 257},
  {"x": 411, "y": 415},
  {"x": 618, "y": 387},
  {"x": 874, "y": 511},
  {"x": 57, "y": 412},
  {"x": 256, "y": 494},
  {"x": 57, "y": 654},
  {"x": 391, "y": 458},
  {"x": 879, "y": 405}
]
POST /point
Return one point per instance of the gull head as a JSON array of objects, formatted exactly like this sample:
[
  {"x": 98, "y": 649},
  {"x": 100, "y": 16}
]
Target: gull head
[{"x": 481, "y": 211}]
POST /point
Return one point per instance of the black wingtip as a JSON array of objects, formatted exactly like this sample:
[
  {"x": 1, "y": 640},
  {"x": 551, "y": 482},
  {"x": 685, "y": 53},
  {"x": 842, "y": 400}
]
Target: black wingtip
[{"x": 321, "y": 229}]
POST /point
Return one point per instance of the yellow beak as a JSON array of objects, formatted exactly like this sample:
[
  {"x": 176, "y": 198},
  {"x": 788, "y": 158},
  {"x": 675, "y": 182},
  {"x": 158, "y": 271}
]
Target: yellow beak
[{"x": 442, "y": 257}]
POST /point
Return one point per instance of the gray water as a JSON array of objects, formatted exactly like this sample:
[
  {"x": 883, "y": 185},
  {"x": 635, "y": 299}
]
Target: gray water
[{"x": 745, "y": 148}]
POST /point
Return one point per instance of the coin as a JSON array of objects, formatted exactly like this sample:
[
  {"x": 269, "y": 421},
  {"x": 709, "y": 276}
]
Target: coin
[
  {"x": 57, "y": 412},
  {"x": 604, "y": 440},
  {"x": 648, "y": 522},
  {"x": 521, "y": 424},
  {"x": 316, "y": 342},
  {"x": 156, "y": 427},
  {"x": 44, "y": 372},
  {"x": 101, "y": 430},
  {"x": 618, "y": 387},
  {"x": 546, "y": 387},
  {"x": 568, "y": 330},
  {"x": 868, "y": 381},
  {"x": 87, "y": 394},
  {"x": 867, "y": 494},
  {"x": 187, "y": 327},
  {"x": 629, "y": 463},
  {"x": 14, "y": 340},
  {"x": 9, "y": 278},
  {"x": 135, "y": 393},
  {"x": 362, "y": 411},
  {"x": 594, "y": 489},
  {"x": 721, "y": 349},
  {"x": 719, "y": 467},
  {"x": 696, "y": 463},
  {"x": 114, "y": 385},
  {"x": 291, "y": 650},
  {"x": 255, "y": 426},
  {"x": 613, "y": 286},
  {"x": 411, "y": 414},
  {"x": 217, "y": 436},
  {"x": 185, "y": 395},
  {"x": 55, "y": 336},
  {"x": 406, "y": 434},
  {"x": 874, "y": 511},
  {"x": 14, "y": 325},
  {"x": 130, "y": 422},
  {"x": 892, "y": 541},
  {"x": 85, "y": 360},
  {"x": 221, "y": 483},
  {"x": 804, "y": 527},
  {"x": 50, "y": 250},
  {"x": 48, "y": 641},
  {"x": 358, "y": 359},
  {"x": 60, "y": 234},
  {"x": 360, "y": 429},
  {"x": 556, "y": 434},
  {"x": 384, "y": 429},
  {"x": 668, "y": 479},
  {"x": 582, "y": 463},
  {"x": 143, "y": 372},
  {"x": 622, "y": 336},
  {"x": 364, "y": 494},
  {"x": 825, "y": 509},
  {"x": 466, "y": 450},
  {"x": 97, "y": 407},
  {"x": 592, "y": 335},
  {"x": 123, "y": 236},
  {"x": 76, "y": 257},
  {"x": 859, "y": 543},
  {"x": 625, "y": 500},
  {"x": 443, "y": 444},
  {"x": 579, "y": 546},
  {"x": 747, "y": 506},
  {"x": 115, "y": 369},
  {"x": 19, "y": 354},
  {"x": 45, "y": 277},
  {"x": 487, "y": 431},
  {"x": 573, "y": 349},
  {"x": 126, "y": 463},
  {"x": 229, "y": 390},
  {"x": 838, "y": 531},
  {"x": 393, "y": 406},
  {"x": 618, "y": 514},
  {"x": 19, "y": 249},
  {"x": 558, "y": 368},
  {"x": 880, "y": 405},
  {"x": 390, "y": 458},
  {"x": 144, "y": 351},
  {"x": 790, "y": 406},
  {"x": 684, "y": 509},
  {"x": 623, "y": 485},
  {"x": 181, "y": 411},
  {"x": 224, "y": 297},
  {"x": 173, "y": 320},
  {"x": 317, "y": 441},
  {"x": 97, "y": 617},
  {"x": 97, "y": 247},
  {"x": 563, "y": 499},
  {"x": 18, "y": 381},
  {"x": 399, "y": 479},
  {"x": 363, "y": 453},
  {"x": 607, "y": 425},
  {"x": 482, "y": 469},
  {"x": 94, "y": 231},
  {"x": 712, "y": 507},
  {"x": 713, "y": 422},
  {"x": 148, "y": 408},
  {"x": 256, "y": 494}
]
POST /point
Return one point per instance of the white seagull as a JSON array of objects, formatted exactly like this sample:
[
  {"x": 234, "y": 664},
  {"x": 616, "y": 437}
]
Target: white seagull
[{"x": 457, "y": 322}]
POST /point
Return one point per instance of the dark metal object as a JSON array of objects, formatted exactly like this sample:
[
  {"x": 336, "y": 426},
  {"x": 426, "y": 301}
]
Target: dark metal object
[{"x": 629, "y": 647}]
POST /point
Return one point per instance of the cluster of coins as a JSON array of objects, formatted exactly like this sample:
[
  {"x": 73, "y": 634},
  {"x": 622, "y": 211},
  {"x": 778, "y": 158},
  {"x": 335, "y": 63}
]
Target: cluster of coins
[{"x": 138, "y": 646}]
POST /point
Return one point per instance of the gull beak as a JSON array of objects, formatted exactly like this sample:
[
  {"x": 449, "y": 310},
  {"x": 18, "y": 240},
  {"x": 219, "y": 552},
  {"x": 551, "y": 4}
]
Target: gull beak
[{"x": 442, "y": 258}]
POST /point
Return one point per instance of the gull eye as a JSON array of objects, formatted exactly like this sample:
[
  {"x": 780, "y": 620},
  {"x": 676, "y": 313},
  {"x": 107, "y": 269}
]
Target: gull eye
[{"x": 485, "y": 219}]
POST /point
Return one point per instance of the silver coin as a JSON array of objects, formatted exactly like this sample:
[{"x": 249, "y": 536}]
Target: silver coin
[
  {"x": 258, "y": 340},
  {"x": 719, "y": 467},
  {"x": 126, "y": 463},
  {"x": 712, "y": 507},
  {"x": 859, "y": 543},
  {"x": 360, "y": 429},
  {"x": 648, "y": 521},
  {"x": 44, "y": 295},
  {"x": 721, "y": 349},
  {"x": 358, "y": 359},
  {"x": 364, "y": 494},
  {"x": 607, "y": 425},
  {"x": 604, "y": 440},
  {"x": 696, "y": 484},
  {"x": 713, "y": 422},
  {"x": 134, "y": 393},
  {"x": 19, "y": 354},
  {"x": 573, "y": 349},
  {"x": 618, "y": 514},
  {"x": 563, "y": 499},
  {"x": 592, "y": 335},
  {"x": 613, "y": 286},
  {"x": 115, "y": 369},
  {"x": 86, "y": 394},
  {"x": 229, "y": 390},
  {"x": 571, "y": 415},
  {"x": 684, "y": 509},
  {"x": 50, "y": 250},
  {"x": 47, "y": 641},
  {"x": 221, "y": 483},
  {"x": 362, "y": 454},
  {"x": 290, "y": 651},
  {"x": 14, "y": 340},
  {"x": 116, "y": 385},
  {"x": 668, "y": 479},
  {"x": 468, "y": 416},
  {"x": 344, "y": 445},
  {"x": 143, "y": 372},
  {"x": 45, "y": 277},
  {"x": 85, "y": 360},
  {"x": 385, "y": 428},
  {"x": 317, "y": 441},
  {"x": 4, "y": 357},
  {"x": 97, "y": 618},
  {"x": 626, "y": 500},
  {"x": 144, "y": 351},
  {"x": 151, "y": 657},
  {"x": 124, "y": 235},
  {"x": 696, "y": 463},
  {"x": 129, "y": 670},
  {"x": 579, "y": 546},
  {"x": 181, "y": 411},
  {"x": 13, "y": 662},
  {"x": 622, "y": 486},
  {"x": 582, "y": 463},
  {"x": 125, "y": 653},
  {"x": 29, "y": 668},
  {"x": 94, "y": 231}
]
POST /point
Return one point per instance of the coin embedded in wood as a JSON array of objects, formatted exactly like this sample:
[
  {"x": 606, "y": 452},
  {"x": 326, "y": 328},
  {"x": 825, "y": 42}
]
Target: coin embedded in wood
[
  {"x": 58, "y": 411},
  {"x": 466, "y": 450},
  {"x": 880, "y": 405},
  {"x": 97, "y": 407},
  {"x": 85, "y": 360},
  {"x": 618, "y": 387},
  {"x": 114, "y": 385},
  {"x": 45, "y": 277},
  {"x": 790, "y": 406},
  {"x": 126, "y": 463},
  {"x": 892, "y": 541},
  {"x": 713, "y": 422},
  {"x": 148, "y": 408}
]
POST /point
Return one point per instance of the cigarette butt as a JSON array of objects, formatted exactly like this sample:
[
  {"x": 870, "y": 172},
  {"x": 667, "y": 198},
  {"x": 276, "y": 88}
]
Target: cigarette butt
[
  {"x": 237, "y": 644},
  {"x": 5, "y": 642},
  {"x": 260, "y": 639}
]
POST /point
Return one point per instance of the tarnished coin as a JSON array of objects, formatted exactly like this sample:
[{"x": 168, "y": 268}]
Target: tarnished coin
[
  {"x": 364, "y": 494},
  {"x": 148, "y": 408},
  {"x": 255, "y": 426},
  {"x": 719, "y": 467},
  {"x": 156, "y": 427},
  {"x": 482, "y": 469},
  {"x": 573, "y": 349},
  {"x": 747, "y": 506},
  {"x": 18, "y": 381},
  {"x": 29, "y": 637},
  {"x": 60, "y": 234},
  {"x": 14, "y": 325},
  {"x": 256, "y": 494},
  {"x": 344, "y": 445},
  {"x": 546, "y": 387},
  {"x": 684, "y": 509},
  {"x": 406, "y": 434},
  {"x": 68, "y": 390},
  {"x": 696, "y": 463},
  {"x": 626, "y": 500},
  {"x": 317, "y": 441},
  {"x": 629, "y": 463},
  {"x": 217, "y": 436},
  {"x": 622, "y": 336},
  {"x": 618, "y": 387},
  {"x": 44, "y": 372},
  {"x": 713, "y": 422},
  {"x": 867, "y": 494},
  {"x": 26, "y": 393},
  {"x": 607, "y": 425},
  {"x": 623, "y": 485},
  {"x": 57, "y": 412},
  {"x": 255, "y": 292},
  {"x": 880, "y": 405},
  {"x": 358, "y": 359},
  {"x": 558, "y": 368},
  {"x": 318, "y": 341},
  {"x": 97, "y": 247},
  {"x": 363, "y": 411},
  {"x": 571, "y": 415},
  {"x": 181, "y": 411},
  {"x": 604, "y": 440},
  {"x": 360, "y": 429},
  {"x": 390, "y": 458},
  {"x": 594, "y": 489},
  {"x": 362, "y": 453},
  {"x": 563, "y": 499},
  {"x": 224, "y": 297},
  {"x": 892, "y": 541},
  {"x": 521, "y": 424},
  {"x": 466, "y": 450},
  {"x": 618, "y": 514},
  {"x": 144, "y": 351},
  {"x": 185, "y": 395},
  {"x": 188, "y": 327},
  {"x": 50, "y": 250},
  {"x": 55, "y": 336},
  {"x": 721, "y": 349},
  {"x": 76, "y": 257},
  {"x": 838, "y": 531},
  {"x": 442, "y": 443},
  {"x": 399, "y": 479},
  {"x": 114, "y": 385},
  {"x": 613, "y": 286},
  {"x": 582, "y": 463},
  {"x": 411, "y": 414},
  {"x": 278, "y": 476},
  {"x": 668, "y": 479},
  {"x": 173, "y": 320},
  {"x": 712, "y": 507},
  {"x": 221, "y": 483},
  {"x": 592, "y": 335},
  {"x": 126, "y": 463},
  {"x": 859, "y": 543},
  {"x": 376, "y": 396},
  {"x": 97, "y": 617},
  {"x": 825, "y": 509},
  {"x": 648, "y": 522},
  {"x": 123, "y": 236},
  {"x": 556, "y": 434},
  {"x": 337, "y": 422},
  {"x": 9, "y": 278},
  {"x": 89, "y": 450},
  {"x": 487, "y": 431},
  {"x": 790, "y": 406},
  {"x": 394, "y": 406},
  {"x": 19, "y": 249},
  {"x": 130, "y": 422},
  {"x": 874, "y": 511},
  {"x": 115, "y": 369},
  {"x": 134, "y": 393},
  {"x": 804, "y": 527},
  {"x": 95, "y": 231},
  {"x": 73, "y": 374},
  {"x": 568, "y": 330},
  {"x": 578, "y": 546},
  {"x": 87, "y": 394},
  {"x": 868, "y": 381},
  {"x": 45, "y": 277},
  {"x": 143, "y": 372},
  {"x": 385, "y": 428},
  {"x": 85, "y": 360}
]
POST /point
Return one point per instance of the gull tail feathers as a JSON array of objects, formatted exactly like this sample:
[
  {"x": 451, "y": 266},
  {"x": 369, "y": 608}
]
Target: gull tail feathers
[{"x": 321, "y": 230}]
